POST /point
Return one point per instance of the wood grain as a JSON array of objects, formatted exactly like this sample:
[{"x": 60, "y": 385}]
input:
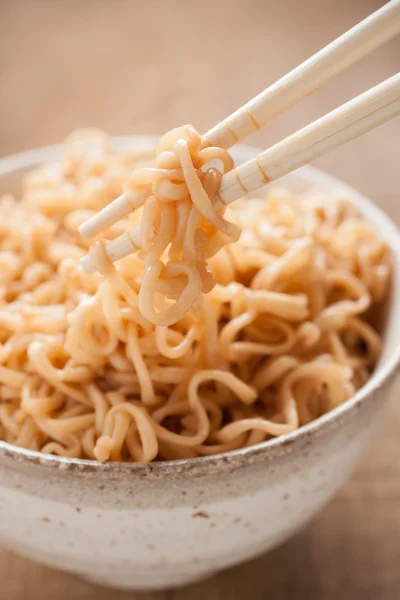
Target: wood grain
[{"x": 131, "y": 66}]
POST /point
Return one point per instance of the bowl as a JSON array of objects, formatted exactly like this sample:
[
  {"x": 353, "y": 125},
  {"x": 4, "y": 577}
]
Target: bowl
[{"x": 167, "y": 524}]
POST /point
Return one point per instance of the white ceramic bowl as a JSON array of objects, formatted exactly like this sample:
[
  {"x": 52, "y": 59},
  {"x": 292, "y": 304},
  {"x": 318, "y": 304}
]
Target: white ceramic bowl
[{"x": 167, "y": 524}]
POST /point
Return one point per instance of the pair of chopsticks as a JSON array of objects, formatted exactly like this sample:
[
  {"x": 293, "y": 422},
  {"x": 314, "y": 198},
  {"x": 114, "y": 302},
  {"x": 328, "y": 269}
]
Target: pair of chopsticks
[{"x": 363, "y": 113}]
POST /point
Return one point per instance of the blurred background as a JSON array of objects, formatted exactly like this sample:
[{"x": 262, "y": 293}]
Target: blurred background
[{"x": 144, "y": 66}]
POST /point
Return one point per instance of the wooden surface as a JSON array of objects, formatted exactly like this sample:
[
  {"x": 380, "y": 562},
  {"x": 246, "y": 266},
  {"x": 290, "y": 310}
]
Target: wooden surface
[{"x": 144, "y": 66}]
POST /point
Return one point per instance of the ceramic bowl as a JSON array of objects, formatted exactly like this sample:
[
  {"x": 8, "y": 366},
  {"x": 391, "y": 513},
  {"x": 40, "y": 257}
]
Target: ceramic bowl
[{"x": 167, "y": 524}]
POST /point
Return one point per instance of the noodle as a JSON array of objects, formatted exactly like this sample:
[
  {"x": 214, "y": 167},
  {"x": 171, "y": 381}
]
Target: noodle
[{"x": 162, "y": 356}]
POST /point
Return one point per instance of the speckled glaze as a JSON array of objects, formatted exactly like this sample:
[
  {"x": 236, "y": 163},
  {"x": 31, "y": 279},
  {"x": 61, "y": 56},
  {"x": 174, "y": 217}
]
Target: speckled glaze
[{"x": 167, "y": 524}]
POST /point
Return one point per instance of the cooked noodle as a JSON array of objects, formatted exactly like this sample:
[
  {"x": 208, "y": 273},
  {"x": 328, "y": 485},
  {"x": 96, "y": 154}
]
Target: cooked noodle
[
  {"x": 88, "y": 367},
  {"x": 180, "y": 228}
]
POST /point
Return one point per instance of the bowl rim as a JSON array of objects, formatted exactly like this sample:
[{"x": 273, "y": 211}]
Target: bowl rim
[{"x": 232, "y": 458}]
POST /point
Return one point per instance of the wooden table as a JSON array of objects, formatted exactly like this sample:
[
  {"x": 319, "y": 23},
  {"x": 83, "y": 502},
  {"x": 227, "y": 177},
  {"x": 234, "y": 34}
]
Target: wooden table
[{"x": 131, "y": 66}]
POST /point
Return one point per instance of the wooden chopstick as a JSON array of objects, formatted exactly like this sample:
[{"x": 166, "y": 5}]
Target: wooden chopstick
[
  {"x": 305, "y": 79},
  {"x": 363, "y": 113},
  {"x": 349, "y": 121}
]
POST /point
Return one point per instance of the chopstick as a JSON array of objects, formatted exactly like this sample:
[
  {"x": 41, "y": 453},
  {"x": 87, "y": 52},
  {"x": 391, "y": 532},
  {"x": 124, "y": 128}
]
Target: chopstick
[
  {"x": 305, "y": 79},
  {"x": 356, "y": 43},
  {"x": 349, "y": 121}
]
